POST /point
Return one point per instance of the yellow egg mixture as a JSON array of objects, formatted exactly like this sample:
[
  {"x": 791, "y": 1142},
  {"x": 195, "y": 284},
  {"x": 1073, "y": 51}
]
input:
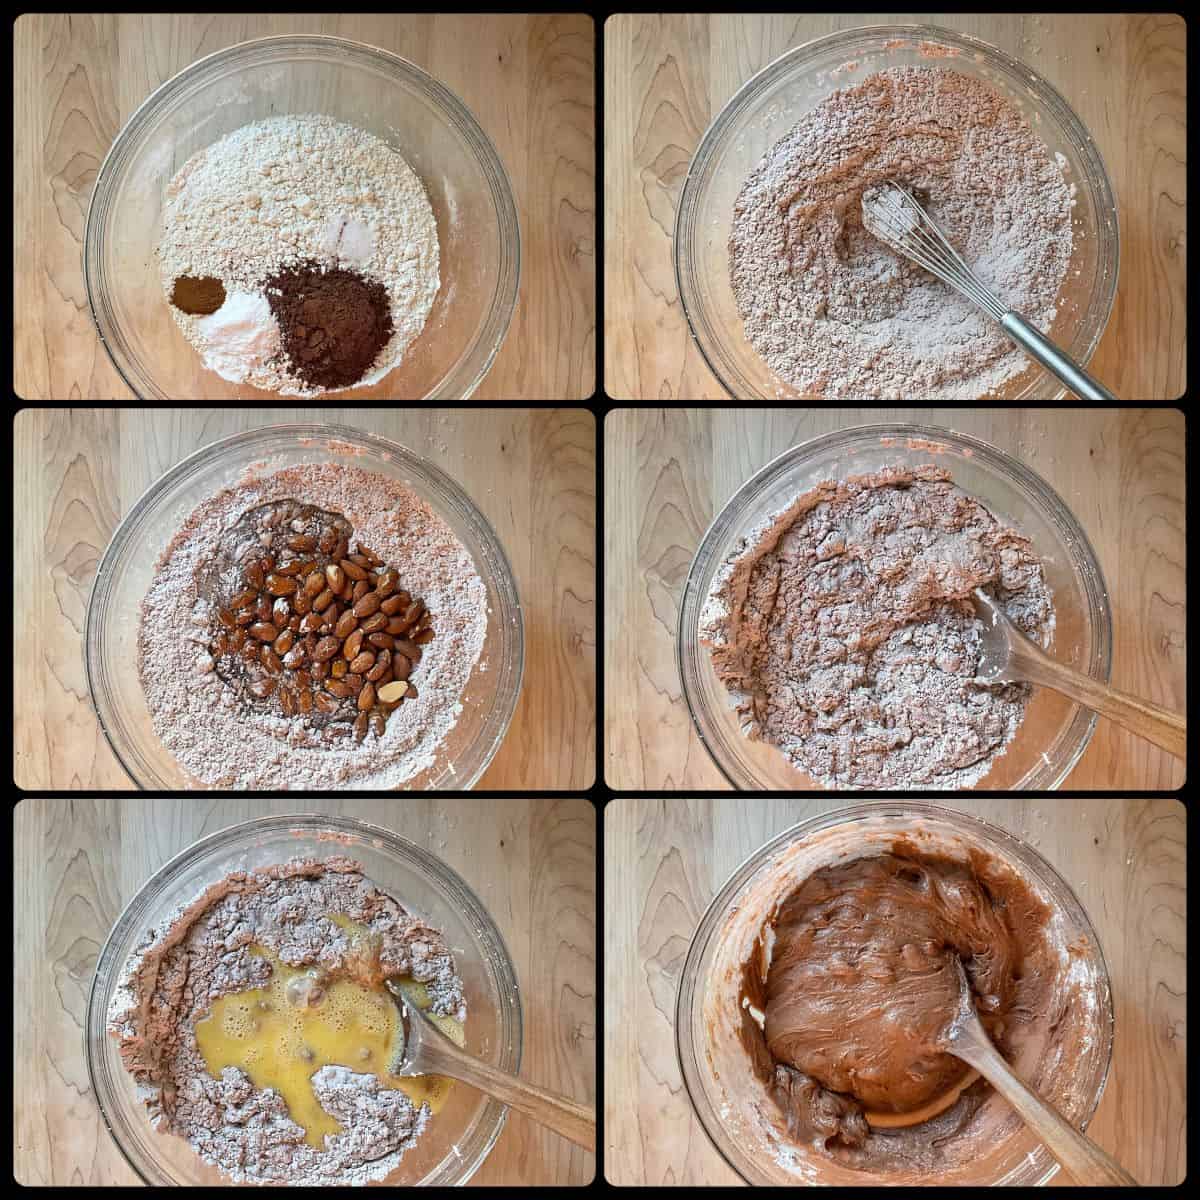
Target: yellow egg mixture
[{"x": 280, "y": 1041}]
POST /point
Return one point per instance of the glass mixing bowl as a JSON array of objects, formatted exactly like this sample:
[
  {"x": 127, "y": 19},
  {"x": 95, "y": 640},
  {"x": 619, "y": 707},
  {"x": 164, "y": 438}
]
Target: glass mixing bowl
[
  {"x": 463, "y": 1133},
  {"x": 125, "y": 572},
  {"x": 739, "y": 1116},
  {"x": 1055, "y": 731},
  {"x": 365, "y": 87},
  {"x": 771, "y": 103}
]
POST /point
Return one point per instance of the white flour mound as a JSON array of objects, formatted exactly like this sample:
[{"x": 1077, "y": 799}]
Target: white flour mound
[{"x": 285, "y": 190}]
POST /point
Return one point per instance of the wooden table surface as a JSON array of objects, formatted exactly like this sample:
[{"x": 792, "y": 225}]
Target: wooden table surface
[
  {"x": 80, "y": 861},
  {"x": 667, "y": 77},
  {"x": 664, "y": 860},
  {"x": 669, "y": 472},
  {"x": 532, "y": 473},
  {"x": 528, "y": 80}
]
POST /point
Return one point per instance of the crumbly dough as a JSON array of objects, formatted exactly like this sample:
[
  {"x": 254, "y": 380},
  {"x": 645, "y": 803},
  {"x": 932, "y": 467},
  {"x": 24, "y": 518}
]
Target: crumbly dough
[
  {"x": 855, "y": 976},
  {"x": 845, "y": 630}
]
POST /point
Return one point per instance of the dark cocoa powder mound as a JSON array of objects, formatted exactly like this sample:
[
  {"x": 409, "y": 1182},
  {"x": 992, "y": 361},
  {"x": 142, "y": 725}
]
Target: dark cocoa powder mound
[
  {"x": 332, "y": 322},
  {"x": 198, "y": 295}
]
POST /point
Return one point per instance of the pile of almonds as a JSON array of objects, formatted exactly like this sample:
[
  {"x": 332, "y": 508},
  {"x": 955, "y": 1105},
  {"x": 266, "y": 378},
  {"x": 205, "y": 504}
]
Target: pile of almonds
[{"x": 317, "y": 631}]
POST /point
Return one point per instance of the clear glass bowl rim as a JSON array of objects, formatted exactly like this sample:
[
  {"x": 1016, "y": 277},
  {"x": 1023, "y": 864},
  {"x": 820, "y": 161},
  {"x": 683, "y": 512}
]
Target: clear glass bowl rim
[
  {"x": 491, "y": 333},
  {"x": 441, "y": 874},
  {"x": 1096, "y": 177},
  {"x": 511, "y": 670},
  {"x": 688, "y": 650},
  {"x": 689, "y": 981}
]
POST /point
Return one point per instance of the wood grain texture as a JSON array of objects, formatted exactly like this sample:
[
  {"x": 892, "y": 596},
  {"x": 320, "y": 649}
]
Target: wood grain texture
[
  {"x": 78, "y": 862},
  {"x": 664, "y": 860},
  {"x": 668, "y": 76},
  {"x": 532, "y": 473},
  {"x": 529, "y": 80},
  {"x": 669, "y": 472}
]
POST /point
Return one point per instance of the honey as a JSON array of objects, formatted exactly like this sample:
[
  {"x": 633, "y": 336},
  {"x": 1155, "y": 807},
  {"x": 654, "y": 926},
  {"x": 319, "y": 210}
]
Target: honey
[{"x": 281, "y": 1034}]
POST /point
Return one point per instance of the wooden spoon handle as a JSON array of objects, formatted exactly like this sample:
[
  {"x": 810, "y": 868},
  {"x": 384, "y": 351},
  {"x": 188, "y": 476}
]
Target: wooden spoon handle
[
  {"x": 576, "y": 1122},
  {"x": 1082, "y": 1159},
  {"x": 1158, "y": 725}
]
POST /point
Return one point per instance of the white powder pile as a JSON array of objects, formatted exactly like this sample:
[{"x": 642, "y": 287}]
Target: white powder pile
[
  {"x": 200, "y": 719},
  {"x": 283, "y": 191},
  {"x": 203, "y": 951},
  {"x": 834, "y": 312}
]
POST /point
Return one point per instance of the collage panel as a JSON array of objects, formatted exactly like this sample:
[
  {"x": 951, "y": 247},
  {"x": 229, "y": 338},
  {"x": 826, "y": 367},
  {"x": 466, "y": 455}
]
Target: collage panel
[
  {"x": 834, "y": 206},
  {"x": 770, "y": 974},
  {"x": 318, "y": 600},
  {"x": 264, "y": 206},
  {"x": 814, "y": 599},
  {"x": 305, "y": 992}
]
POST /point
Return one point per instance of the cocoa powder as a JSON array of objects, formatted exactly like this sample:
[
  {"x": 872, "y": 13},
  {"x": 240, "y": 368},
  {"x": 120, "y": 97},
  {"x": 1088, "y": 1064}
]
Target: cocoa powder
[{"x": 333, "y": 323}]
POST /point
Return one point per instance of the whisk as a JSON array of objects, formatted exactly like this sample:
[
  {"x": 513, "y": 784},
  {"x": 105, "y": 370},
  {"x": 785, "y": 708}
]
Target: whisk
[{"x": 893, "y": 215}]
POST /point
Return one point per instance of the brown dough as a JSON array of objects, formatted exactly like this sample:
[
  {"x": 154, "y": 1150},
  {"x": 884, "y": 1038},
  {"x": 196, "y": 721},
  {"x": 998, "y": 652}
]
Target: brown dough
[{"x": 861, "y": 980}]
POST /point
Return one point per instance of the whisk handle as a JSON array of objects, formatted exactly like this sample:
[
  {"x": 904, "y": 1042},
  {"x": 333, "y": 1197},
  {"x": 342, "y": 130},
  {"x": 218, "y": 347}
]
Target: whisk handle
[{"x": 1060, "y": 365}]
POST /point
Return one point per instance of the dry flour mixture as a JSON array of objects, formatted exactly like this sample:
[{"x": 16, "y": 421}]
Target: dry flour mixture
[{"x": 299, "y": 255}]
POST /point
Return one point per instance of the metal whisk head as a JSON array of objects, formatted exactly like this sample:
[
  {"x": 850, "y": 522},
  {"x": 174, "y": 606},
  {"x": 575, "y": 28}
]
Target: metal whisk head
[{"x": 894, "y": 216}]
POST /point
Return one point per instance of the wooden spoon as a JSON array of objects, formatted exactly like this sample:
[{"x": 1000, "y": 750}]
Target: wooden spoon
[
  {"x": 966, "y": 1038},
  {"x": 426, "y": 1050},
  {"x": 1010, "y": 657}
]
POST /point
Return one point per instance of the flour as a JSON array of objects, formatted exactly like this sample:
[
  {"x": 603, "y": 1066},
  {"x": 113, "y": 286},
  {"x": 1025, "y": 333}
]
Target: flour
[
  {"x": 291, "y": 189},
  {"x": 833, "y": 311},
  {"x": 201, "y": 952},
  {"x": 199, "y": 719},
  {"x": 844, "y": 629}
]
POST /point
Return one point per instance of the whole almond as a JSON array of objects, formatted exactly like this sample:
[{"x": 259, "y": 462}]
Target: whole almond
[
  {"x": 373, "y": 559},
  {"x": 360, "y": 589},
  {"x": 353, "y": 645},
  {"x": 304, "y": 701},
  {"x": 262, "y": 688},
  {"x": 353, "y": 570},
  {"x": 264, "y": 631},
  {"x": 383, "y": 640},
  {"x": 368, "y": 605},
  {"x": 263, "y": 607},
  {"x": 338, "y": 667},
  {"x": 255, "y": 577},
  {"x": 387, "y": 582},
  {"x": 281, "y": 610},
  {"x": 311, "y": 623},
  {"x": 327, "y": 647},
  {"x": 323, "y": 601},
  {"x": 294, "y": 657},
  {"x": 346, "y": 625},
  {"x": 366, "y": 698},
  {"x": 391, "y": 692},
  {"x": 294, "y": 623},
  {"x": 226, "y": 618},
  {"x": 301, "y": 542},
  {"x": 393, "y": 604},
  {"x": 375, "y": 624},
  {"x": 401, "y": 666},
  {"x": 280, "y": 585},
  {"x": 382, "y": 662},
  {"x": 314, "y": 585},
  {"x": 326, "y": 703},
  {"x": 395, "y": 626},
  {"x": 378, "y": 723},
  {"x": 270, "y": 660},
  {"x": 409, "y": 649},
  {"x": 338, "y": 688},
  {"x": 360, "y": 664},
  {"x": 335, "y": 576},
  {"x": 424, "y": 637},
  {"x": 302, "y": 603},
  {"x": 320, "y": 671},
  {"x": 360, "y": 726},
  {"x": 248, "y": 596},
  {"x": 327, "y": 541},
  {"x": 283, "y": 643}
]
